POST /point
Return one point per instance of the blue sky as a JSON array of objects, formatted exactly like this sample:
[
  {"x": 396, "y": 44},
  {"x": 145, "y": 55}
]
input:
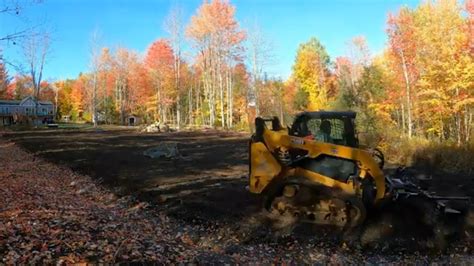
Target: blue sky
[{"x": 136, "y": 23}]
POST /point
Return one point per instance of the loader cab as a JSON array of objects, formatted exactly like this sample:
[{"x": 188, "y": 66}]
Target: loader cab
[{"x": 331, "y": 127}]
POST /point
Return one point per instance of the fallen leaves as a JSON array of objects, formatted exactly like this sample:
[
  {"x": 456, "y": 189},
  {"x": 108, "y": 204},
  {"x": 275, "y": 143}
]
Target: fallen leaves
[{"x": 51, "y": 214}]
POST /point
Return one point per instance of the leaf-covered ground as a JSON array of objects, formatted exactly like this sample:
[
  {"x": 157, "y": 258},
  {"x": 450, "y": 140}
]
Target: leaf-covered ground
[{"x": 50, "y": 214}]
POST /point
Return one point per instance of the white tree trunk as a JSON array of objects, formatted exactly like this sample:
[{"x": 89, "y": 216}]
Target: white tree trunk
[{"x": 407, "y": 92}]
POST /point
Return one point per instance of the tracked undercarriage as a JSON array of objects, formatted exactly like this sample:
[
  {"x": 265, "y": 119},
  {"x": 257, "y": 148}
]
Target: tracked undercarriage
[{"x": 313, "y": 205}]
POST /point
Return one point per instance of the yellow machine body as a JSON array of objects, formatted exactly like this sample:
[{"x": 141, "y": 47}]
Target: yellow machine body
[{"x": 265, "y": 167}]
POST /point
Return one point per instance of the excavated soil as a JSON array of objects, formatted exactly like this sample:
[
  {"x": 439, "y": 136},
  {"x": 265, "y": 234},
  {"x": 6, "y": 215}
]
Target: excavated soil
[{"x": 205, "y": 190}]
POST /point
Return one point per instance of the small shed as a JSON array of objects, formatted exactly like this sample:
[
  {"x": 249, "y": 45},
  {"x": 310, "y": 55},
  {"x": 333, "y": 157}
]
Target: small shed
[
  {"x": 66, "y": 118},
  {"x": 133, "y": 120}
]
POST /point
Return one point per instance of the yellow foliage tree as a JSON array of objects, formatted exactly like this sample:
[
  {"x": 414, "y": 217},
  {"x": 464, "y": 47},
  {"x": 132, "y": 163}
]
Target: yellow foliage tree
[
  {"x": 311, "y": 73},
  {"x": 447, "y": 66}
]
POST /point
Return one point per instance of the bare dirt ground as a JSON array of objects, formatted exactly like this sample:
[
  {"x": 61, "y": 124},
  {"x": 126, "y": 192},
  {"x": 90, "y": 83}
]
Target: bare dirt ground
[{"x": 203, "y": 197}]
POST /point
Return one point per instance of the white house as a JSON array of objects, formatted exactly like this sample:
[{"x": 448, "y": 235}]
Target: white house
[{"x": 26, "y": 110}]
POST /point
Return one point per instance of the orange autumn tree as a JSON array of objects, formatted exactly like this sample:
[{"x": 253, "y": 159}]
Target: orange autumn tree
[
  {"x": 159, "y": 64},
  {"x": 47, "y": 92},
  {"x": 402, "y": 47},
  {"x": 140, "y": 89},
  {"x": 4, "y": 78},
  {"x": 64, "y": 102},
  {"x": 470, "y": 12},
  {"x": 78, "y": 99},
  {"x": 432, "y": 63},
  {"x": 446, "y": 81}
]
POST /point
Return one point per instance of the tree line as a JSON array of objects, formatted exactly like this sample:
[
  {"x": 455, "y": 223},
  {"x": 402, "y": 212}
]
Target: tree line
[{"x": 421, "y": 85}]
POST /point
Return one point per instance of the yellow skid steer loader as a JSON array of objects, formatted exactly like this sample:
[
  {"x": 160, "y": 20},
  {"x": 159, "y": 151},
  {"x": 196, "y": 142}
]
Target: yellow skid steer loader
[{"x": 316, "y": 170}]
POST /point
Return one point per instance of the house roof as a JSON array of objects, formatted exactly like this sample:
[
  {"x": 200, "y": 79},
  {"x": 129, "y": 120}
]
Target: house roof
[
  {"x": 17, "y": 102},
  {"x": 8, "y": 102},
  {"x": 26, "y": 99}
]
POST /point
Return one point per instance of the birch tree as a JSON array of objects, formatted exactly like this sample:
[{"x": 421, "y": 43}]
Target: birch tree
[
  {"x": 174, "y": 26},
  {"x": 95, "y": 67},
  {"x": 260, "y": 55},
  {"x": 217, "y": 38}
]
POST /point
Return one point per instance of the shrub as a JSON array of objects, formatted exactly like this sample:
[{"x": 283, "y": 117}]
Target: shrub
[
  {"x": 446, "y": 158},
  {"x": 428, "y": 155}
]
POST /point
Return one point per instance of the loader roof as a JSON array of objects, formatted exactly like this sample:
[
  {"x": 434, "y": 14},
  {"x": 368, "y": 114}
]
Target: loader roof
[{"x": 327, "y": 114}]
